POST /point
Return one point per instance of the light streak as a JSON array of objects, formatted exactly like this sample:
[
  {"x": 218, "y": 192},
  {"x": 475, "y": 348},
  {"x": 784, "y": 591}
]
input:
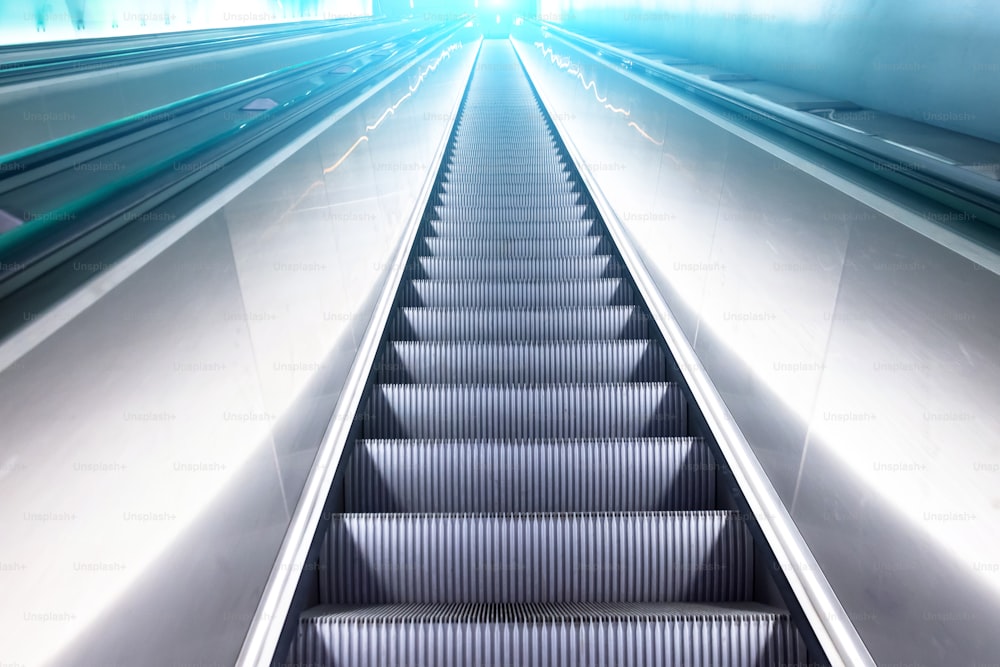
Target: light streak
[
  {"x": 643, "y": 133},
  {"x": 372, "y": 127},
  {"x": 564, "y": 63}
]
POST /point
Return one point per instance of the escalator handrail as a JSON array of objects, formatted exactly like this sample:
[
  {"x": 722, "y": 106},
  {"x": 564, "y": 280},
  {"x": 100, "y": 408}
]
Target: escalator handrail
[
  {"x": 974, "y": 194},
  {"x": 40, "y": 155},
  {"x": 181, "y": 34},
  {"x": 19, "y": 71},
  {"x": 28, "y": 250}
]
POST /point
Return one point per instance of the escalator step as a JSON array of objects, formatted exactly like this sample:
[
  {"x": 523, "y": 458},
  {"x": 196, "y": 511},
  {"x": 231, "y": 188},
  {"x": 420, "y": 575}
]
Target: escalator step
[
  {"x": 549, "y": 635},
  {"x": 510, "y": 213},
  {"x": 513, "y": 146},
  {"x": 545, "y": 200},
  {"x": 475, "y": 137},
  {"x": 471, "y": 126},
  {"x": 622, "y": 322},
  {"x": 552, "y": 268},
  {"x": 616, "y": 475},
  {"x": 492, "y": 230},
  {"x": 504, "y": 178},
  {"x": 521, "y": 362},
  {"x": 526, "y": 411},
  {"x": 482, "y": 188},
  {"x": 499, "y": 171},
  {"x": 698, "y": 556},
  {"x": 483, "y": 113},
  {"x": 539, "y": 158},
  {"x": 538, "y": 294},
  {"x": 465, "y": 247}
]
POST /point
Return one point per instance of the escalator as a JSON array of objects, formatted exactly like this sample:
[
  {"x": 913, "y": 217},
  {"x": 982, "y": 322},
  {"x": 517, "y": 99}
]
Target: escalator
[{"x": 524, "y": 488}]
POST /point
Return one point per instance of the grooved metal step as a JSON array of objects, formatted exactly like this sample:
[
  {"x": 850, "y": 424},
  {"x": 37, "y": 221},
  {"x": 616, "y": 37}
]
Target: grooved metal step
[
  {"x": 538, "y": 294},
  {"x": 513, "y": 213},
  {"x": 550, "y": 268},
  {"x": 467, "y": 127},
  {"x": 492, "y": 230},
  {"x": 510, "y": 147},
  {"x": 508, "y": 362},
  {"x": 697, "y": 556},
  {"x": 506, "y": 177},
  {"x": 492, "y": 188},
  {"x": 619, "y": 475},
  {"x": 526, "y": 411},
  {"x": 494, "y": 172},
  {"x": 510, "y": 200},
  {"x": 540, "y": 158},
  {"x": 615, "y": 323},
  {"x": 474, "y": 137},
  {"x": 585, "y": 246},
  {"x": 549, "y": 635}
]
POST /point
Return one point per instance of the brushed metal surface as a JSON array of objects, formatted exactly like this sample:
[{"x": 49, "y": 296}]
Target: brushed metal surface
[
  {"x": 549, "y": 635},
  {"x": 858, "y": 357},
  {"x": 41, "y": 111}
]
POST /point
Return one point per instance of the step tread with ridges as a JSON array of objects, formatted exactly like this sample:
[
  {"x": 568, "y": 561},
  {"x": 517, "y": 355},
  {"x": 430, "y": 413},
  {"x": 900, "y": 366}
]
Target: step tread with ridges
[
  {"x": 540, "y": 612},
  {"x": 701, "y": 556},
  {"x": 506, "y": 178},
  {"x": 499, "y": 231},
  {"x": 555, "y": 475},
  {"x": 512, "y": 213},
  {"x": 549, "y": 635},
  {"x": 534, "y": 188},
  {"x": 535, "y": 200},
  {"x": 538, "y": 410},
  {"x": 586, "y": 246},
  {"x": 524, "y": 294},
  {"x": 521, "y": 362},
  {"x": 550, "y": 268},
  {"x": 614, "y": 322}
]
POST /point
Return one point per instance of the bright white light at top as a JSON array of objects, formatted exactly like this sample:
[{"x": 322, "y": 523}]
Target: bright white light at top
[{"x": 104, "y": 18}]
